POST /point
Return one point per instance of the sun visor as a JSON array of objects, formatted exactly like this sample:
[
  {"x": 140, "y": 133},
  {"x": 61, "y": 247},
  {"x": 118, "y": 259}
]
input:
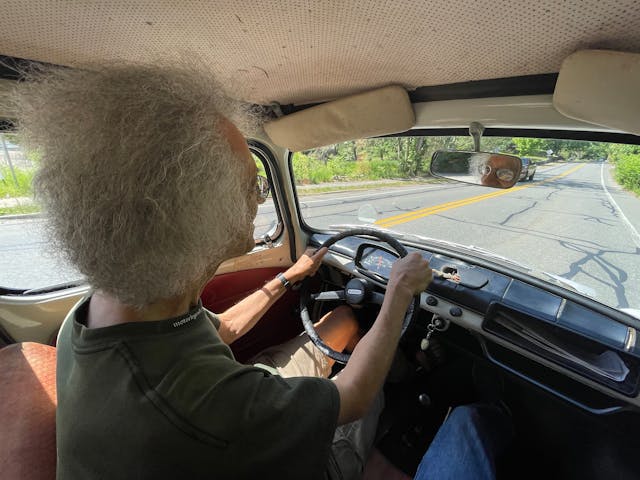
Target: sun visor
[
  {"x": 377, "y": 112},
  {"x": 601, "y": 87}
]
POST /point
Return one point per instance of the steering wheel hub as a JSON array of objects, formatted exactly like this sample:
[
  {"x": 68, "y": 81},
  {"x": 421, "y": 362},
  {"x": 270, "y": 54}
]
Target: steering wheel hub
[{"x": 356, "y": 291}]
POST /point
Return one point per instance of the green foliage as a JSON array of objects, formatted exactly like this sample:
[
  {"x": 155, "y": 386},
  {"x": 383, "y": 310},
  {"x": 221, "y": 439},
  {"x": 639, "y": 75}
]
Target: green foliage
[
  {"x": 307, "y": 169},
  {"x": 409, "y": 157},
  {"x": 617, "y": 150},
  {"x": 530, "y": 146},
  {"x": 259, "y": 166},
  {"x": 627, "y": 171},
  {"x": 8, "y": 187},
  {"x": 498, "y": 145},
  {"x": 21, "y": 209},
  {"x": 384, "y": 169}
]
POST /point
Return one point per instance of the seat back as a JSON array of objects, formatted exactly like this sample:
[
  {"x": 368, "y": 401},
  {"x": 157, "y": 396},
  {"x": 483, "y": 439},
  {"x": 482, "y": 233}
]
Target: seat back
[{"x": 28, "y": 412}]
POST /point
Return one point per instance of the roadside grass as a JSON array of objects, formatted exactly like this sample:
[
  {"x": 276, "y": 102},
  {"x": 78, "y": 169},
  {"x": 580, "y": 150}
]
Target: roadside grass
[
  {"x": 20, "y": 209},
  {"x": 303, "y": 190},
  {"x": 16, "y": 199},
  {"x": 8, "y": 187},
  {"x": 627, "y": 172}
]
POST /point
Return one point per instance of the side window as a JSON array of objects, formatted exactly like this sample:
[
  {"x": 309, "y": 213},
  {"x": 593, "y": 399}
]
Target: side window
[
  {"x": 25, "y": 262},
  {"x": 267, "y": 220}
]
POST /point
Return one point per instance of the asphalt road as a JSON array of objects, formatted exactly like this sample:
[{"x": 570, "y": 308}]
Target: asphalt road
[{"x": 564, "y": 222}]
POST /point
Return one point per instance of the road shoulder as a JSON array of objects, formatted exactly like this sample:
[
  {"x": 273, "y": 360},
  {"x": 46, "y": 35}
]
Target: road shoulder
[{"x": 627, "y": 201}]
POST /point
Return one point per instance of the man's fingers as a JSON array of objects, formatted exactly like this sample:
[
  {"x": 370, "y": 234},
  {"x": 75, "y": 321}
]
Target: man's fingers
[{"x": 317, "y": 256}]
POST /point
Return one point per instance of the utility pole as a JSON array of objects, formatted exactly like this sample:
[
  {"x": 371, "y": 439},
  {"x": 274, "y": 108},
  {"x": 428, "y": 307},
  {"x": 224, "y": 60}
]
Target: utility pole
[{"x": 8, "y": 159}]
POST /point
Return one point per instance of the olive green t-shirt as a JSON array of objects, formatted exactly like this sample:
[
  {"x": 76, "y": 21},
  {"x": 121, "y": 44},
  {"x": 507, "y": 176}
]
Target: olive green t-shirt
[{"x": 166, "y": 399}]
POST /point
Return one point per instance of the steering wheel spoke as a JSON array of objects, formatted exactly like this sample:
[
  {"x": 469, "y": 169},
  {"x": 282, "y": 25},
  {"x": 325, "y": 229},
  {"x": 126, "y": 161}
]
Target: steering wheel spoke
[
  {"x": 328, "y": 296},
  {"x": 376, "y": 298}
]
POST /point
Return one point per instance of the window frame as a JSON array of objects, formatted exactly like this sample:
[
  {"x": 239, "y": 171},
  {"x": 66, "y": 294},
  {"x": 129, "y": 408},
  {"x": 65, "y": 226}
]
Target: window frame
[{"x": 260, "y": 151}]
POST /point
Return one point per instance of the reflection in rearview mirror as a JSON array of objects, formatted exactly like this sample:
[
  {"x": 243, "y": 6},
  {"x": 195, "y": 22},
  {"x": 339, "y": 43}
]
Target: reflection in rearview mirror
[{"x": 480, "y": 168}]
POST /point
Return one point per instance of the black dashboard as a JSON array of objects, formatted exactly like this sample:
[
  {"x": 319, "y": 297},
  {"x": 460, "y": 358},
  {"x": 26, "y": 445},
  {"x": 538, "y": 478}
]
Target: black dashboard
[{"x": 536, "y": 333}]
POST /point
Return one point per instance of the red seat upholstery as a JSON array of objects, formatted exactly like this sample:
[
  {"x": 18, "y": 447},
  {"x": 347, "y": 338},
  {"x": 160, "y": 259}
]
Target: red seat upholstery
[{"x": 28, "y": 412}]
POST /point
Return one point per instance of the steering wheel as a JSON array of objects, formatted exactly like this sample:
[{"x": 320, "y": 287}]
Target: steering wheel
[{"x": 356, "y": 292}]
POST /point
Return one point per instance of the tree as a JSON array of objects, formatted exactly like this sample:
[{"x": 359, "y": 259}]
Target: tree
[{"x": 530, "y": 146}]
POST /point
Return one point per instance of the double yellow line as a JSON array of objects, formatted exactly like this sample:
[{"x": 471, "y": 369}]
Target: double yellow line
[{"x": 425, "y": 212}]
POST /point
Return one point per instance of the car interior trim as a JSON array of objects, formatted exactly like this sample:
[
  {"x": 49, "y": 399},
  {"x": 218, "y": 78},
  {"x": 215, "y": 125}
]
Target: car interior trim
[
  {"x": 611, "y": 137},
  {"x": 473, "y": 321},
  {"x": 496, "y": 87},
  {"x": 371, "y": 113},
  {"x": 530, "y": 111},
  {"x": 582, "y": 91},
  {"x": 260, "y": 150},
  {"x": 37, "y": 317},
  {"x": 496, "y": 266},
  {"x": 630, "y": 342},
  {"x": 278, "y": 192},
  {"x": 567, "y": 398}
]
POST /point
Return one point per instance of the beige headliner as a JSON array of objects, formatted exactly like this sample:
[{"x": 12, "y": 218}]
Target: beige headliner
[{"x": 297, "y": 51}]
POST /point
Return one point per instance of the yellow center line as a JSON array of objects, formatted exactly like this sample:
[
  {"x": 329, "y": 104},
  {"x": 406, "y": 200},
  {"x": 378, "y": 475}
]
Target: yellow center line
[{"x": 425, "y": 212}]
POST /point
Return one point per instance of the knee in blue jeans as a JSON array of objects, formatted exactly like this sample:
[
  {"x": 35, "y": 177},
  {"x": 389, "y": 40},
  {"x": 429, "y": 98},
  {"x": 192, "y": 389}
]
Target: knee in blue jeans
[{"x": 463, "y": 414}]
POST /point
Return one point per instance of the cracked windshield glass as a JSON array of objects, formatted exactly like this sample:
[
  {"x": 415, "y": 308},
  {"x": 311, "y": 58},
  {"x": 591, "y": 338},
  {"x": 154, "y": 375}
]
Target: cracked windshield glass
[{"x": 572, "y": 219}]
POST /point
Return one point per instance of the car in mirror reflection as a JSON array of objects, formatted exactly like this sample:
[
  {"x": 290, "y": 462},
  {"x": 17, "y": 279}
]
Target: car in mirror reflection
[{"x": 528, "y": 169}]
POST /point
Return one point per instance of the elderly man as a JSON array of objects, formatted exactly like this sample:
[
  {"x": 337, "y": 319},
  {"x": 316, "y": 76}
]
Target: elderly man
[{"x": 149, "y": 186}]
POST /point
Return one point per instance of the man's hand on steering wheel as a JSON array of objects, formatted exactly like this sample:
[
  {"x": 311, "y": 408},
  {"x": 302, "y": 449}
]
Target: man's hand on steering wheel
[
  {"x": 306, "y": 266},
  {"x": 409, "y": 276}
]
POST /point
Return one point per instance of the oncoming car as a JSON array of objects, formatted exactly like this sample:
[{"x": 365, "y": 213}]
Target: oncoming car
[
  {"x": 528, "y": 169},
  {"x": 376, "y": 115}
]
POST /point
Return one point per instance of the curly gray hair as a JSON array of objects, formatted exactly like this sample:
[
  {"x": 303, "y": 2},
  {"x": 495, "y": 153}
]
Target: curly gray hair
[{"x": 143, "y": 191}]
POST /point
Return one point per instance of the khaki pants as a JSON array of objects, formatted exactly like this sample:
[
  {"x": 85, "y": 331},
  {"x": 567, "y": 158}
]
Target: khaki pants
[{"x": 352, "y": 443}]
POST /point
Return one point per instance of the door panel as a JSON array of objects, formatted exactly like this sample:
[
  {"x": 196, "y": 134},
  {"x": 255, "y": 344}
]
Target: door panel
[
  {"x": 280, "y": 323},
  {"x": 37, "y": 318}
]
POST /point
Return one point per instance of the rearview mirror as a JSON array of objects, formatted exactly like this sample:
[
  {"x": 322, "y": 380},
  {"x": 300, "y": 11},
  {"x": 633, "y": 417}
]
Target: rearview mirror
[{"x": 479, "y": 168}]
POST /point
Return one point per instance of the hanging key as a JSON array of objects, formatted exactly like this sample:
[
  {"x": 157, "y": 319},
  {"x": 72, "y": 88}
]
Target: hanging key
[{"x": 436, "y": 323}]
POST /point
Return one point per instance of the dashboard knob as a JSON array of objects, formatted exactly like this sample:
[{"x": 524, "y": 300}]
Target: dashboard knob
[{"x": 424, "y": 400}]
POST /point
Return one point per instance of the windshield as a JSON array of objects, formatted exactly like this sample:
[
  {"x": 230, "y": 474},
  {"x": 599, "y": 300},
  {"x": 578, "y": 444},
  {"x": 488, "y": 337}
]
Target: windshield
[{"x": 571, "y": 220}]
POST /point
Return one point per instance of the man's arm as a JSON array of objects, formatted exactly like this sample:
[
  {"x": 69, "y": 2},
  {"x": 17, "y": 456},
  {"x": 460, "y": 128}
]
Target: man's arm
[
  {"x": 363, "y": 377},
  {"x": 239, "y": 319}
]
